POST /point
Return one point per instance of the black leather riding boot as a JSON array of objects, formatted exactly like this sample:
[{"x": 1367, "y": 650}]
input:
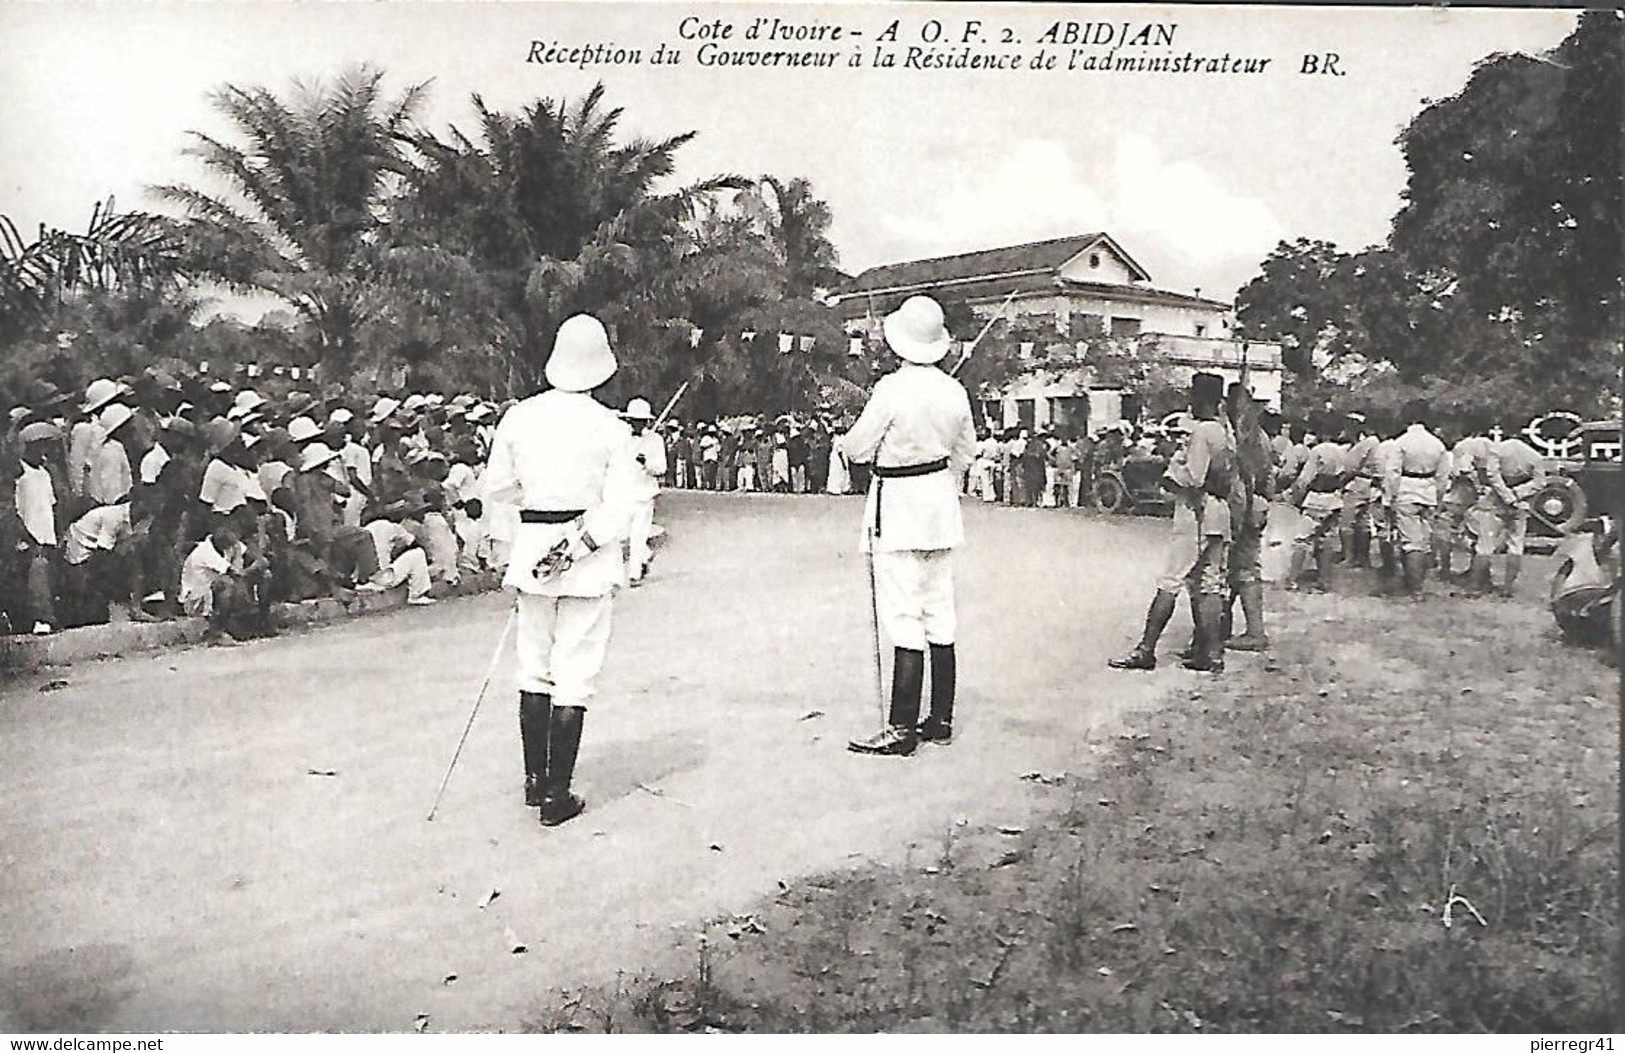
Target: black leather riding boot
[
  {"x": 939, "y": 726},
  {"x": 1144, "y": 655},
  {"x": 900, "y": 736},
  {"x": 559, "y": 805},
  {"x": 535, "y": 712}
]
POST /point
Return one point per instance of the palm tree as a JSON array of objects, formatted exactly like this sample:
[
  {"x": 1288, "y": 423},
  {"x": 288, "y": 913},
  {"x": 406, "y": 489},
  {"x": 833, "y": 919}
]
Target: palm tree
[
  {"x": 121, "y": 256},
  {"x": 557, "y": 217},
  {"x": 797, "y": 223},
  {"x": 310, "y": 180}
]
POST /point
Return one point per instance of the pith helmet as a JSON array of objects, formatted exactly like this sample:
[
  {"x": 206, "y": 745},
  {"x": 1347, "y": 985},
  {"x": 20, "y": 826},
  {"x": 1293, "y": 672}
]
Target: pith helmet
[
  {"x": 581, "y": 358},
  {"x": 917, "y": 331}
]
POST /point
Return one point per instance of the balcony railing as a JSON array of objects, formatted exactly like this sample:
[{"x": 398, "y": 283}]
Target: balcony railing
[{"x": 1207, "y": 350}]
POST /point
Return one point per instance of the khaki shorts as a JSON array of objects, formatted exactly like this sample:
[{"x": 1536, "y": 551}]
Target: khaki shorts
[
  {"x": 1198, "y": 563},
  {"x": 1319, "y": 520},
  {"x": 1246, "y": 554},
  {"x": 1500, "y": 527},
  {"x": 1413, "y": 524}
]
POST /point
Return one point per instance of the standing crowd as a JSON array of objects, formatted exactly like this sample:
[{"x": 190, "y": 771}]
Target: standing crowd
[{"x": 1392, "y": 496}]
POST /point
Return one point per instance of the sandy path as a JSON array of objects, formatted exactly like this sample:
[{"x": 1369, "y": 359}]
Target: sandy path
[{"x": 170, "y": 865}]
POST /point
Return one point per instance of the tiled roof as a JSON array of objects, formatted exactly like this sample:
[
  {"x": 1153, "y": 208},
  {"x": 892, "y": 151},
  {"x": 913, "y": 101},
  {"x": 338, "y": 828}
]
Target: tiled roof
[
  {"x": 1025, "y": 287},
  {"x": 1043, "y": 256}
]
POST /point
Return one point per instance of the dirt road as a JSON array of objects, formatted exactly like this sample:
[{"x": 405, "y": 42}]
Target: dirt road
[{"x": 170, "y": 863}]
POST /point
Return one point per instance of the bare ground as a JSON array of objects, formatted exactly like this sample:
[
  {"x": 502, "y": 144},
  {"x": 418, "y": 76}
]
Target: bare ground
[
  {"x": 1402, "y": 819},
  {"x": 170, "y": 862}
]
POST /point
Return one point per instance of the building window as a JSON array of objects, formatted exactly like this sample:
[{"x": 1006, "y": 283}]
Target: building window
[
  {"x": 1094, "y": 260},
  {"x": 1201, "y": 329},
  {"x": 1091, "y": 325},
  {"x": 1125, "y": 328}
]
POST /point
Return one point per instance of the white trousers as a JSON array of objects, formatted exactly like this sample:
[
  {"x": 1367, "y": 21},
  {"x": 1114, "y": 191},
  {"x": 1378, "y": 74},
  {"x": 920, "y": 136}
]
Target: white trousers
[
  {"x": 440, "y": 545},
  {"x": 412, "y": 567},
  {"x": 914, "y": 594},
  {"x": 561, "y": 644},
  {"x": 643, "y": 521}
]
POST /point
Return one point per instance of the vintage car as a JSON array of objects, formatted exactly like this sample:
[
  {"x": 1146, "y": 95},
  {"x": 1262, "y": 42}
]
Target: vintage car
[
  {"x": 1582, "y": 490},
  {"x": 1132, "y": 484},
  {"x": 1583, "y": 502}
]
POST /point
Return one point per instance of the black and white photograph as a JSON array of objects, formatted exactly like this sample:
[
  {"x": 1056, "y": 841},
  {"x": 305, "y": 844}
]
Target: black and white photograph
[{"x": 659, "y": 517}]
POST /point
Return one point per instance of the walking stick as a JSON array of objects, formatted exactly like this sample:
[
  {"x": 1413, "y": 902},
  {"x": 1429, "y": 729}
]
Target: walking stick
[
  {"x": 486, "y": 683},
  {"x": 874, "y": 629}
]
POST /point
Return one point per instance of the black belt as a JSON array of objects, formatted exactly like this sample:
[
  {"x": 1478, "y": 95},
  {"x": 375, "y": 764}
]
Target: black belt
[
  {"x": 901, "y": 471},
  {"x": 536, "y": 515},
  {"x": 1326, "y": 484},
  {"x": 1418, "y": 475}
]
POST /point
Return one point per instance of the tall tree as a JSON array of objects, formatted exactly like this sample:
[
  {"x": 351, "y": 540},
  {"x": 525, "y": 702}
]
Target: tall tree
[
  {"x": 309, "y": 178},
  {"x": 1500, "y": 288},
  {"x": 796, "y": 224},
  {"x": 554, "y": 216}
]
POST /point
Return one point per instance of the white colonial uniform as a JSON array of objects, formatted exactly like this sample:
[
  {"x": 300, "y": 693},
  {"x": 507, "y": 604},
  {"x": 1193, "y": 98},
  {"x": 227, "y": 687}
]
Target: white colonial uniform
[
  {"x": 554, "y": 453},
  {"x": 643, "y": 488},
  {"x": 917, "y": 418}
]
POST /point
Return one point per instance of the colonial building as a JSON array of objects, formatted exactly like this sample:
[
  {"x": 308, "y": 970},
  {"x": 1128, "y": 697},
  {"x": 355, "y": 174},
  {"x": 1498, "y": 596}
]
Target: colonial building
[{"x": 1088, "y": 288}]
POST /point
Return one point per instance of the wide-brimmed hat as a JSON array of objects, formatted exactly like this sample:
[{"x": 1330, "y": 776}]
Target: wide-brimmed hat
[
  {"x": 219, "y": 432},
  {"x": 581, "y": 358},
  {"x": 639, "y": 409},
  {"x": 303, "y": 429},
  {"x": 917, "y": 331},
  {"x": 40, "y": 431},
  {"x": 99, "y": 394},
  {"x": 42, "y": 394},
  {"x": 315, "y": 456},
  {"x": 382, "y": 409},
  {"x": 413, "y": 403},
  {"x": 113, "y": 417},
  {"x": 247, "y": 404},
  {"x": 340, "y": 416}
]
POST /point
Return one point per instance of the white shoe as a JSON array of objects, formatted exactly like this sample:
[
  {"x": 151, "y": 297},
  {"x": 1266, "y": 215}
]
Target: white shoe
[
  {"x": 369, "y": 586},
  {"x": 420, "y": 601},
  {"x": 43, "y": 629}
]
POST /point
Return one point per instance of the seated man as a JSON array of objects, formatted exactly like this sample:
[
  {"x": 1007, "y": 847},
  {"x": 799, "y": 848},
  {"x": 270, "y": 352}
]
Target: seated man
[
  {"x": 96, "y": 565},
  {"x": 422, "y": 511},
  {"x": 329, "y": 554},
  {"x": 221, "y": 583},
  {"x": 400, "y": 560}
]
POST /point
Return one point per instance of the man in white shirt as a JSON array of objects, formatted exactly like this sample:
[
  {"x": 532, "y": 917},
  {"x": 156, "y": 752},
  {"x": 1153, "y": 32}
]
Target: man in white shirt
[
  {"x": 86, "y": 437},
  {"x": 566, "y": 462},
  {"x": 206, "y": 573},
  {"x": 918, "y": 432},
  {"x": 650, "y": 453},
  {"x": 1416, "y": 480},
  {"x": 36, "y": 499}
]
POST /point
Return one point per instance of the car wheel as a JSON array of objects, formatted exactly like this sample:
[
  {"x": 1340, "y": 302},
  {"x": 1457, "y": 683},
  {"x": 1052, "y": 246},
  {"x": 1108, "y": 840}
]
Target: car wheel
[{"x": 1110, "y": 495}]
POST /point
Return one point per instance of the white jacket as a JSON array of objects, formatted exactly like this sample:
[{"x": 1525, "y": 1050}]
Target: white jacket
[
  {"x": 646, "y": 480},
  {"x": 916, "y": 415},
  {"x": 561, "y": 451}
]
